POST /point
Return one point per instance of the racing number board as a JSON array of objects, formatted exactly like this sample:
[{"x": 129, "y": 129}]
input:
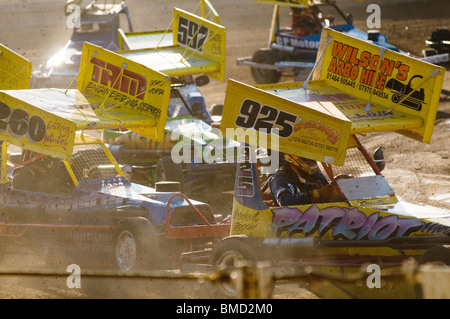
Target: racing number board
[
  {"x": 198, "y": 48},
  {"x": 356, "y": 88},
  {"x": 112, "y": 92},
  {"x": 316, "y": 131}
]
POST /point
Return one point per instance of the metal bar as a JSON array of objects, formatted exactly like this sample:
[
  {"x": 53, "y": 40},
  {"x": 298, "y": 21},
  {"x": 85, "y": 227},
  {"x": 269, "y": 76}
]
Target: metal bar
[{"x": 190, "y": 204}]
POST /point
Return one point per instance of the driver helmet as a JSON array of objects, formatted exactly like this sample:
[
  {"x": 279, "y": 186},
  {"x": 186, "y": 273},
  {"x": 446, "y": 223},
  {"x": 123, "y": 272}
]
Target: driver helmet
[{"x": 304, "y": 164}]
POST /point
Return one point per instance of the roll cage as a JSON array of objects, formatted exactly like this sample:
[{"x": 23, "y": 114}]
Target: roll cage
[{"x": 91, "y": 162}]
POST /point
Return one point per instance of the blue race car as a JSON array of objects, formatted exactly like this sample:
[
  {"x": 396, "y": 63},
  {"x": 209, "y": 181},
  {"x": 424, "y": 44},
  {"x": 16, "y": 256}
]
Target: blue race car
[{"x": 295, "y": 35}]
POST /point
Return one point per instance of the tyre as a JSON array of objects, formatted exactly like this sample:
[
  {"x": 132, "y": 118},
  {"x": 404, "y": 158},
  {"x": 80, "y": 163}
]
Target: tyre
[
  {"x": 168, "y": 171},
  {"x": 265, "y": 76},
  {"x": 229, "y": 252},
  {"x": 136, "y": 245},
  {"x": 439, "y": 255}
]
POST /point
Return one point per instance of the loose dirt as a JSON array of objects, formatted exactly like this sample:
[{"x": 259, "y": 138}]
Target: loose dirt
[{"x": 417, "y": 172}]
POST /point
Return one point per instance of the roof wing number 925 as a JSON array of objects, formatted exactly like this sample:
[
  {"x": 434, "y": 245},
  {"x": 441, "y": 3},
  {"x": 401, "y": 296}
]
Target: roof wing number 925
[{"x": 264, "y": 118}]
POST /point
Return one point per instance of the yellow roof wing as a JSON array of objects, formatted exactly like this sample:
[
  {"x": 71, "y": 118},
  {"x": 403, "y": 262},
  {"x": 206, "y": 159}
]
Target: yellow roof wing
[
  {"x": 389, "y": 87},
  {"x": 35, "y": 128},
  {"x": 144, "y": 40},
  {"x": 112, "y": 92},
  {"x": 356, "y": 88},
  {"x": 198, "y": 47},
  {"x": 15, "y": 70},
  {"x": 158, "y": 39},
  {"x": 315, "y": 130}
]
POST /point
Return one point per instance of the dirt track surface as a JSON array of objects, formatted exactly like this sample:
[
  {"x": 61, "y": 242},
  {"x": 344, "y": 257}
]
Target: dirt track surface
[{"x": 417, "y": 172}]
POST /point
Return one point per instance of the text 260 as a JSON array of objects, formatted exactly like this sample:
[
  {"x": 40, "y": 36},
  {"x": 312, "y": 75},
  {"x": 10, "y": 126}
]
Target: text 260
[{"x": 18, "y": 123}]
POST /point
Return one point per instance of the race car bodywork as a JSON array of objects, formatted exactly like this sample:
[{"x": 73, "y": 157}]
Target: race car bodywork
[
  {"x": 99, "y": 24},
  {"x": 206, "y": 161},
  {"x": 366, "y": 224},
  {"x": 295, "y": 51},
  {"x": 66, "y": 196},
  {"x": 15, "y": 71}
]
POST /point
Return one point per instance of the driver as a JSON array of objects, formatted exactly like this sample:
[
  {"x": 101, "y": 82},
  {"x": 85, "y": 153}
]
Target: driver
[
  {"x": 299, "y": 181},
  {"x": 303, "y": 22}
]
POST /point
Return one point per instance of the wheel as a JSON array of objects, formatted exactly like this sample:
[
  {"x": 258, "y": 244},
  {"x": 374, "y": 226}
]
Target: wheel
[
  {"x": 136, "y": 245},
  {"x": 265, "y": 76},
  {"x": 439, "y": 255},
  {"x": 229, "y": 252},
  {"x": 167, "y": 170}
]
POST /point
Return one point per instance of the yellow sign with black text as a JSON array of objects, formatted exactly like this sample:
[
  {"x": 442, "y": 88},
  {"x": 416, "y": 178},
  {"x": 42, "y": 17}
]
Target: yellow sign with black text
[
  {"x": 317, "y": 131},
  {"x": 198, "y": 46}
]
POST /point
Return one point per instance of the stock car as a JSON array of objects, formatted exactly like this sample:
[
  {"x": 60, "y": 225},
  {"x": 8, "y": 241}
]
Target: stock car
[
  {"x": 86, "y": 211},
  {"x": 189, "y": 55},
  {"x": 99, "y": 23},
  {"x": 364, "y": 222},
  {"x": 65, "y": 196},
  {"x": 294, "y": 50}
]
